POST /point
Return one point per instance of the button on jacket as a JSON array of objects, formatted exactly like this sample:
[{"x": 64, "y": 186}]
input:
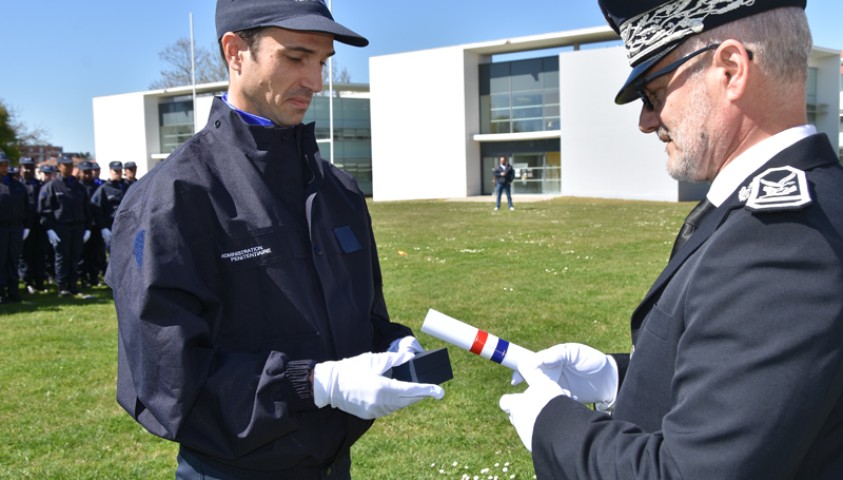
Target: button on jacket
[{"x": 237, "y": 263}]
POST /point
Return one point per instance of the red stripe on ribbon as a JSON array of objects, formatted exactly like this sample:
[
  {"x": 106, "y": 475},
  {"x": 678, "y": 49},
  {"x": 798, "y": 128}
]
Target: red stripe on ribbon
[{"x": 479, "y": 342}]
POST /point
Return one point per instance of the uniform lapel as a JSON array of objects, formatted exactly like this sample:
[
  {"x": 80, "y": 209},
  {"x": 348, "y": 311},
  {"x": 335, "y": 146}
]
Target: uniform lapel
[{"x": 806, "y": 154}]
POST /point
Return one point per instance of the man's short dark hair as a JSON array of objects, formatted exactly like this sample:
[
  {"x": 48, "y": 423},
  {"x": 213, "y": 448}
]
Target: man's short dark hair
[{"x": 251, "y": 36}]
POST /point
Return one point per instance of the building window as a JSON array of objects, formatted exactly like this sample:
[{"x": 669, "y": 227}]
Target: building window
[
  {"x": 352, "y": 135},
  {"x": 519, "y": 96},
  {"x": 175, "y": 117}
]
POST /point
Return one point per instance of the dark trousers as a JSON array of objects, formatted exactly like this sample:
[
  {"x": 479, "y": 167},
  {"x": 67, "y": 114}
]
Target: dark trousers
[
  {"x": 33, "y": 267},
  {"x": 93, "y": 258},
  {"x": 192, "y": 467},
  {"x": 68, "y": 255},
  {"x": 11, "y": 244}
]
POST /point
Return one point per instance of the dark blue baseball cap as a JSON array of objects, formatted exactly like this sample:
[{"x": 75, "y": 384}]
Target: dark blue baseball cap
[
  {"x": 115, "y": 165},
  {"x": 26, "y": 161},
  {"x": 86, "y": 166},
  {"x": 64, "y": 160},
  {"x": 651, "y": 29},
  {"x": 130, "y": 165},
  {"x": 47, "y": 169},
  {"x": 300, "y": 15}
]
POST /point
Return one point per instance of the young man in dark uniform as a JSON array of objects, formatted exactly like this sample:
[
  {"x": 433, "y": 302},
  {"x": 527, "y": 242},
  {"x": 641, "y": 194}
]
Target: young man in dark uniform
[
  {"x": 736, "y": 369},
  {"x": 35, "y": 245},
  {"x": 245, "y": 274},
  {"x": 65, "y": 214},
  {"x": 13, "y": 214},
  {"x": 107, "y": 198},
  {"x": 93, "y": 251}
]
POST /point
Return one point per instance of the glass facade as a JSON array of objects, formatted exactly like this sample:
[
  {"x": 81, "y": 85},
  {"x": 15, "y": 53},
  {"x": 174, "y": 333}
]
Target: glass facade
[
  {"x": 537, "y": 164},
  {"x": 522, "y": 96},
  {"x": 352, "y": 135},
  {"x": 519, "y": 96},
  {"x": 175, "y": 119}
]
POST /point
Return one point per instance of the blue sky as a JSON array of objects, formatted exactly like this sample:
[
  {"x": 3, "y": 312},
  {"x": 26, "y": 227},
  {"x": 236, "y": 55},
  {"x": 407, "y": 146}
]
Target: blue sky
[{"x": 65, "y": 53}]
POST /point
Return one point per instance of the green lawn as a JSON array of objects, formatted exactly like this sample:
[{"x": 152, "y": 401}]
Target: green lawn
[{"x": 552, "y": 271}]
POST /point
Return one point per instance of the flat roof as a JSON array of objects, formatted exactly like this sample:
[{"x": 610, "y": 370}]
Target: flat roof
[{"x": 544, "y": 41}]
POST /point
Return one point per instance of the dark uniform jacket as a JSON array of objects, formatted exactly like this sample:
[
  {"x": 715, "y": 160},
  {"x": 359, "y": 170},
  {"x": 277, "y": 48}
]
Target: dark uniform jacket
[
  {"x": 737, "y": 367},
  {"x": 64, "y": 201},
  {"x": 33, "y": 189},
  {"x": 504, "y": 174},
  {"x": 236, "y": 264},
  {"x": 14, "y": 207},
  {"x": 105, "y": 200}
]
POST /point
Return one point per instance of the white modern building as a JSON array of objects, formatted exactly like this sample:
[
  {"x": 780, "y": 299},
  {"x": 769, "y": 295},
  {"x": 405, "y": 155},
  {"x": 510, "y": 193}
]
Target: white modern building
[
  {"x": 553, "y": 116},
  {"x": 434, "y": 121}
]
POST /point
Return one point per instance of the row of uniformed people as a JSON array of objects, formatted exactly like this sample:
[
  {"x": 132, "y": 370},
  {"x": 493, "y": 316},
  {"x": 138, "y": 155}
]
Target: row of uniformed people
[{"x": 56, "y": 224}]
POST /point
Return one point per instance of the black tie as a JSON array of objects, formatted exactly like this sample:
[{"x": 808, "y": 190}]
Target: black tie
[{"x": 691, "y": 222}]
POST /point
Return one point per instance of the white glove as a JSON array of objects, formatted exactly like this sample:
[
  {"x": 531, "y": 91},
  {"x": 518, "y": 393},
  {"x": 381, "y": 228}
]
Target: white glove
[
  {"x": 106, "y": 235},
  {"x": 25, "y": 233},
  {"x": 524, "y": 408},
  {"x": 357, "y": 386},
  {"x": 406, "y": 344},
  {"x": 86, "y": 236},
  {"x": 590, "y": 375},
  {"x": 53, "y": 237}
]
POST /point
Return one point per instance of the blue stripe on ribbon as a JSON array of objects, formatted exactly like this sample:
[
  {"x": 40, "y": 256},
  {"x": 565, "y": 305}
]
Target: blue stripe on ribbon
[{"x": 500, "y": 351}]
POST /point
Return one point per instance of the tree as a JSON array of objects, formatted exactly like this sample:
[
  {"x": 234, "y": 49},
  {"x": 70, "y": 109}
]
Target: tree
[
  {"x": 8, "y": 136},
  {"x": 210, "y": 67},
  {"x": 14, "y": 133},
  {"x": 340, "y": 75}
]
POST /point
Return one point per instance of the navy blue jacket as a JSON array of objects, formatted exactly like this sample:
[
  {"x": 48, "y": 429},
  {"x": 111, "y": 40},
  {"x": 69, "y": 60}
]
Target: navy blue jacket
[
  {"x": 14, "y": 207},
  {"x": 737, "y": 367},
  {"x": 33, "y": 189},
  {"x": 504, "y": 174},
  {"x": 64, "y": 201},
  {"x": 236, "y": 264},
  {"x": 105, "y": 200}
]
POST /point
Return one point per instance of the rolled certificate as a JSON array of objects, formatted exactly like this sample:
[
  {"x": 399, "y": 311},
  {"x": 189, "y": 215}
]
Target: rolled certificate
[{"x": 479, "y": 342}]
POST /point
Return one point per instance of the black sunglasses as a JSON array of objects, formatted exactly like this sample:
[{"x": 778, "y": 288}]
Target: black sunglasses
[{"x": 642, "y": 94}]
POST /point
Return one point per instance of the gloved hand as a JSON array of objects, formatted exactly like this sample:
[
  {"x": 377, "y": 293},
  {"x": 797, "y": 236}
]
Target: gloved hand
[
  {"x": 357, "y": 386},
  {"x": 53, "y": 237},
  {"x": 590, "y": 375},
  {"x": 25, "y": 233},
  {"x": 106, "y": 235},
  {"x": 406, "y": 344},
  {"x": 524, "y": 408},
  {"x": 86, "y": 236}
]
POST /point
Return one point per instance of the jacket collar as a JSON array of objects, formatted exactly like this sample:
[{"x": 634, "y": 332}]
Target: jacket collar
[{"x": 806, "y": 154}]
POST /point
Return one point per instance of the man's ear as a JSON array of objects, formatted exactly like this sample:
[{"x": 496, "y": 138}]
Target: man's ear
[
  {"x": 233, "y": 48},
  {"x": 734, "y": 63}
]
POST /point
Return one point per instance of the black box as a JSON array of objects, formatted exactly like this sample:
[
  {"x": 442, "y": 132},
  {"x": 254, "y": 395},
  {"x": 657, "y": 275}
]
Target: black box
[{"x": 431, "y": 366}]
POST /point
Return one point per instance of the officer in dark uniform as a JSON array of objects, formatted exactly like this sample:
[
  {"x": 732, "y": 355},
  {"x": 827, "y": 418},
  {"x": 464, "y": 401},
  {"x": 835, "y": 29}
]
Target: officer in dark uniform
[
  {"x": 13, "y": 214},
  {"x": 107, "y": 198},
  {"x": 246, "y": 279},
  {"x": 736, "y": 366},
  {"x": 131, "y": 169},
  {"x": 93, "y": 252},
  {"x": 65, "y": 213},
  {"x": 35, "y": 246}
]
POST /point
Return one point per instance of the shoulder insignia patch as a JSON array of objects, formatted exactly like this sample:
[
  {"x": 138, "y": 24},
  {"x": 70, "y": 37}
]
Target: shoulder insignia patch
[{"x": 784, "y": 188}]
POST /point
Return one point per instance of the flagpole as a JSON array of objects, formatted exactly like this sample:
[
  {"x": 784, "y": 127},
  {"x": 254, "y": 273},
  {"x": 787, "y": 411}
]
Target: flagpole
[
  {"x": 331, "y": 98},
  {"x": 193, "y": 70}
]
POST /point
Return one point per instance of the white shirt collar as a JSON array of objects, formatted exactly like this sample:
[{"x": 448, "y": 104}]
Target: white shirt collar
[{"x": 736, "y": 172}]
